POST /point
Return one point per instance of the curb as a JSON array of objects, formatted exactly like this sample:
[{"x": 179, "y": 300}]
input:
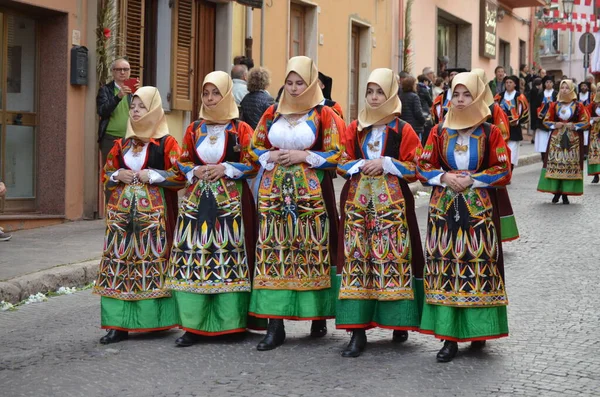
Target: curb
[{"x": 19, "y": 288}]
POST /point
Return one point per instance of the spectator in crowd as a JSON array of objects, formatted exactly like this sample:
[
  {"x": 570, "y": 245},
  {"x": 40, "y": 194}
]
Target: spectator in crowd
[
  {"x": 497, "y": 85},
  {"x": 258, "y": 99},
  {"x": 429, "y": 73},
  {"x": 438, "y": 87},
  {"x": 590, "y": 79},
  {"x": 446, "y": 77},
  {"x": 401, "y": 76},
  {"x": 3, "y": 236},
  {"x": 424, "y": 92},
  {"x": 113, "y": 111},
  {"x": 412, "y": 112},
  {"x": 239, "y": 75}
]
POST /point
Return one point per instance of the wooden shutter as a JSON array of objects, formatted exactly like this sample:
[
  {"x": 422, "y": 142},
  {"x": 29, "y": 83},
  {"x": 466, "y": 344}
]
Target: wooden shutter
[
  {"x": 132, "y": 28},
  {"x": 183, "y": 55}
]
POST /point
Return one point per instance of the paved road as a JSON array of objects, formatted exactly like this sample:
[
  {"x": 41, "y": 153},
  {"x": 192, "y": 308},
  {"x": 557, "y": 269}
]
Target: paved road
[{"x": 51, "y": 349}]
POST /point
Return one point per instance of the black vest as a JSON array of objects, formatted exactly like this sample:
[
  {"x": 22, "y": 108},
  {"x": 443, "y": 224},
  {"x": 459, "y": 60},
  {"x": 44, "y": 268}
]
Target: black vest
[{"x": 156, "y": 155}]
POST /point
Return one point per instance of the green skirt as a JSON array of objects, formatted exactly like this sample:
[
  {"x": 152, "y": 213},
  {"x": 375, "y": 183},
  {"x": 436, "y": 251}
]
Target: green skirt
[
  {"x": 464, "y": 324},
  {"x": 508, "y": 228},
  {"x": 562, "y": 186},
  {"x": 593, "y": 169},
  {"x": 295, "y": 305},
  {"x": 365, "y": 314},
  {"x": 213, "y": 314},
  {"x": 139, "y": 316}
]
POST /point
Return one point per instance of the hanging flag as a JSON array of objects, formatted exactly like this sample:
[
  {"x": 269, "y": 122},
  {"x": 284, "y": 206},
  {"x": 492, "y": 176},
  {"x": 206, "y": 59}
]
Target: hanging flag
[{"x": 588, "y": 2}]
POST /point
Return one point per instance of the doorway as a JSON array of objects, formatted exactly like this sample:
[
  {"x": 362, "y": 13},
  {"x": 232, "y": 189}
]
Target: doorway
[{"x": 18, "y": 111}]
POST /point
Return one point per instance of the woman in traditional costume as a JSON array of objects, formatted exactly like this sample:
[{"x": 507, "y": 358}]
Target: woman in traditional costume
[
  {"x": 297, "y": 142},
  {"x": 382, "y": 260},
  {"x": 142, "y": 177},
  {"x": 465, "y": 160},
  {"x": 562, "y": 174},
  {"x": 593, "y": 159},
  {"x": 509, "y": 230},
  {"x": 516, "y": 107},
  {"x": 548, "y": 96},
  {"x": 213, "y": 248}
]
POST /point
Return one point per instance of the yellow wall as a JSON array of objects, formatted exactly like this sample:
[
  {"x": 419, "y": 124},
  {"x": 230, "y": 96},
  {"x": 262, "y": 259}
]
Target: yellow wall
[
  {"x": 334, "y": 23},
  {"x": 424, "y": 24},
  {"x": 239, "y": 30}
]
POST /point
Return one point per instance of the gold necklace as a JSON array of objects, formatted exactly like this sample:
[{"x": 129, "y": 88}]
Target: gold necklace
[{"x": 373, "y": 146}]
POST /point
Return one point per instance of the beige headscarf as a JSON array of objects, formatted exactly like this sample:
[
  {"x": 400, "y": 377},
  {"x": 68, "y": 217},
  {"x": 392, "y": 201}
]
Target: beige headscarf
[
  {"x": 226, "y": 109},
  {"x": 152, "y": 125},
  {"x": 384, "y": 113},
  {"x": 489, "y": 96},
  {"x": 311, "y": 97},
  {"x": 475, "y": 113},
  {"x": 571, "y": 96}
]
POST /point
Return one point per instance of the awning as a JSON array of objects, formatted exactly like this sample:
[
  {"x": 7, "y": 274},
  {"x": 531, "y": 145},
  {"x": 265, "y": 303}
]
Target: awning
[
  {"x": 251, "y": 3},
  {"x": 522, "y": 3}
]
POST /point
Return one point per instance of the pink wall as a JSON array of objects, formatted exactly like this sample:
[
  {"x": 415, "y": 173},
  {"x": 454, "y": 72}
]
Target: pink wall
[{"x": 424, "y": 31}]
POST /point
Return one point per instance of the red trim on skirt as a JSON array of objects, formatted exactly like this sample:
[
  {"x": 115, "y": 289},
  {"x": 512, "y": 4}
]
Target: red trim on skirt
[
  {"x": 450, "y": 338},
  {"x": 289, "y": 317},
  {"x": 140, "y": 329},
  {"x": 373, "y": 324},
  {"x": 203, "y": 333}
]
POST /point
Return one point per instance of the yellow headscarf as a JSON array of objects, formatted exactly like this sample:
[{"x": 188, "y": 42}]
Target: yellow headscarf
[
  {"x": 152, "y": 125},
  {"x": 571, "y": 96},
  {"x": 386, "y": 79},
  {"x": 226, "y": 109},
  {"x": 489, "y": 96},
  {"x": 311, "y": 97},
  {"x": 475, "y": 113}
]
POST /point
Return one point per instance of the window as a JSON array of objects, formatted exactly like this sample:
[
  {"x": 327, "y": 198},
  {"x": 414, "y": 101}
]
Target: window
[
  {"x": 549, "y": 42},
  {"x": 297, "y": 26}
]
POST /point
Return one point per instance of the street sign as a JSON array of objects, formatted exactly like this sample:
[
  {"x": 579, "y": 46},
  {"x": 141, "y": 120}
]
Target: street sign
[{"x": 587, "y": 43}]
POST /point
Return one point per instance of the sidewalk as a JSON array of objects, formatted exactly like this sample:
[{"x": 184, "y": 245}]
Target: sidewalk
[{"x": 67, "y": 255}]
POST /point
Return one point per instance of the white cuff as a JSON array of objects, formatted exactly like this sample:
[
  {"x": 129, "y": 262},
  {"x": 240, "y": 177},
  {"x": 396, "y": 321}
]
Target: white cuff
[
  {"x": 114, "y": 175},
  {"x": 477, "y": 184},
  {"x": 155, "y": 177},
  {"x": 264, "y": 161},
  {"x": 314, "y": 160},
  {"x": 356, "y": 167},
  {"x": 231, "y": 172},
  {"x": 190, "y": 174},
  {"x": 437, "y": 180},
  {"x": 389, "y": 167}
]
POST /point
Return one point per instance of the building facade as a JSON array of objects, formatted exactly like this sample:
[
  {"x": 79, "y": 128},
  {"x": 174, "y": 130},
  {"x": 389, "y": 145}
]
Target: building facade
[
  {"x": 559, "y": 51},
  {"x": 44, "y": 120},
  {"x": 473, "y": 34}
]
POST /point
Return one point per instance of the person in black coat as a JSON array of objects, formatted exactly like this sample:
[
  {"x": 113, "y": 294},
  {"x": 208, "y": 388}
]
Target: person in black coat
[
  {"x": 258, "y": 99},
  {"x": 412, "y": 112},
  {"x": 113, "y": 112},
  {"x": 535, "y": 100},
  {"x": 425, "y": 95}
]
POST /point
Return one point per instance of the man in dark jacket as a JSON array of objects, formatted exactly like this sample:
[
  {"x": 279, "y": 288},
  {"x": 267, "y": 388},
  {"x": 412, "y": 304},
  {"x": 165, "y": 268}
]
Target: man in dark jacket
[
  {"x": 424, "y": 92},
  {"x": 113, "y": 112}
]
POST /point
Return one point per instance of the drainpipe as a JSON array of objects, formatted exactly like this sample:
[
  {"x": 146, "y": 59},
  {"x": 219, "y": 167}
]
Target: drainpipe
[
  {"x": 262, "y": 33},
  {"x": 249, "y": 29},
  {"x": 400, "y": 35}
]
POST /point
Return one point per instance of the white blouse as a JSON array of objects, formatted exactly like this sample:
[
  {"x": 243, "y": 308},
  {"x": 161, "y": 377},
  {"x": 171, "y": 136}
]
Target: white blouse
[
  {"x": 135, "y": 161},
  {"x": 210, "y": 151},
  {"x": 374, "y": 149},
  {"x": 287, "y": 134}
]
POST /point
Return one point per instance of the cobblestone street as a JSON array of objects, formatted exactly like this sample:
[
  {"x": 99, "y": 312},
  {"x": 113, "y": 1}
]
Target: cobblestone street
[{"x": 52, "y": 349}]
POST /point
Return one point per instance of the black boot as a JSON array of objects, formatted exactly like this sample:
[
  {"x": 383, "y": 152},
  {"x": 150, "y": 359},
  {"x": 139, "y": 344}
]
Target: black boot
[
  {"x": 114, "y": 336},
  {"x": 187, "y": 339},
  {"x": 357, "y": 344},
  {"x": 596, "y": 178},
  {"x": 478, "y": 344},
  {"x": 556, "y": 198},
  {"x": 448, "y": 352},
  {"x": 275, "y": 336},
  {"x": 399, "y": 336},
  {"x": 565, "y": 199},
  {"x": 318, "y": 328}
]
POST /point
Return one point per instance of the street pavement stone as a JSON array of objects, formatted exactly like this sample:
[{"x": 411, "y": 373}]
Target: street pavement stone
[{"x": 52, "y": 348}]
